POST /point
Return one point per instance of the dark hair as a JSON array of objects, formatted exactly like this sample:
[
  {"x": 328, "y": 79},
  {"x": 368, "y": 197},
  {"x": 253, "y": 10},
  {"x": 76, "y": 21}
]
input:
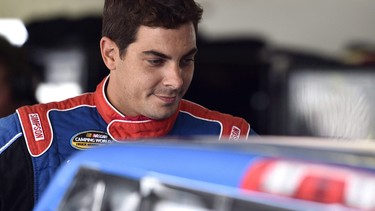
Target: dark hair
[{"x": 122, "y": 18}]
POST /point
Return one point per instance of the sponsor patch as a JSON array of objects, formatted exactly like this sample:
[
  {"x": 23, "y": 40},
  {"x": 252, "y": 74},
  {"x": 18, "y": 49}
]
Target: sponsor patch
[
  {"x": 89, "y": 139},
  {"x": 235, "y": 133},
  {"x": 36, "y": 127}
]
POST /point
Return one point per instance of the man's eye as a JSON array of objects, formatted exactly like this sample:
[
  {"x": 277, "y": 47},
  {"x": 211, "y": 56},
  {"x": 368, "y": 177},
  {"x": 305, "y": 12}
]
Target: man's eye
[
  {"x": 155, "y": 62},
  {"x": 187, "y": 61}
]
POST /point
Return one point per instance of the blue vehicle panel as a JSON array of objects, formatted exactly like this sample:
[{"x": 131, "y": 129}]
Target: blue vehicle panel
[{"x": 165, "y": 174}]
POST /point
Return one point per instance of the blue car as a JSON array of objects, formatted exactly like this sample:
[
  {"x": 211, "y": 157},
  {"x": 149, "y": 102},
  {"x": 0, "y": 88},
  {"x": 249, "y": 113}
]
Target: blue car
[{"x": 271, "y": 173}]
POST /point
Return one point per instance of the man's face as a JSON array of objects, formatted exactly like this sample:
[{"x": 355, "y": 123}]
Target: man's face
[{"x": 154, "y": 73}]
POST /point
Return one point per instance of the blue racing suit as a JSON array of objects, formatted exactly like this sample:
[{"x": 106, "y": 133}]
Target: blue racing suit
[{"x": 37, "y": 139}]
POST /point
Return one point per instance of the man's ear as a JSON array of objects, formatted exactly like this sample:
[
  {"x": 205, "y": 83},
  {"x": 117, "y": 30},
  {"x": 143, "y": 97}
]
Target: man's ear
[{"x": 109, "y": 51}]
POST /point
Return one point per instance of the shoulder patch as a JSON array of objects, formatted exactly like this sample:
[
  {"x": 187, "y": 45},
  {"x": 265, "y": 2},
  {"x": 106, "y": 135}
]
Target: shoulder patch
[{"x": 36, "y": 128}]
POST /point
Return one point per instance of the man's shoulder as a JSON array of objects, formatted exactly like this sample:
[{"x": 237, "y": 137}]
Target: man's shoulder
[
  {"x": 203, "y": 112},
  {"x": 232, "y": 126},
  {"x": 37, "y": 125},
  {"x": 41, "y": 111},
  {"x": 86, "y": 99}
]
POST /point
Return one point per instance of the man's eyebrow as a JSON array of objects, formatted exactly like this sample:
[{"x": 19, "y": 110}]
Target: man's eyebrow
[
  {"x": 164, "y": 56},
  {"x": 156, "y": 53},
  {"x": 191, "y": 52}
]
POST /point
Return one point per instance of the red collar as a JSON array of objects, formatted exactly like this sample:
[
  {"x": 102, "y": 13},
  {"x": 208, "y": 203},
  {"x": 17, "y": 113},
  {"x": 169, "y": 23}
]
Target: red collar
[{"x": 121, "y": 127}]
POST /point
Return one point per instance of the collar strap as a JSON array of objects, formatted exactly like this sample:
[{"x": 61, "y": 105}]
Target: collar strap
[{"x": 121, "y": 127}]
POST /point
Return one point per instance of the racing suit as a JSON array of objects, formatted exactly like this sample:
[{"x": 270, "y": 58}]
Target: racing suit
[{"x": 37, "y": 139}]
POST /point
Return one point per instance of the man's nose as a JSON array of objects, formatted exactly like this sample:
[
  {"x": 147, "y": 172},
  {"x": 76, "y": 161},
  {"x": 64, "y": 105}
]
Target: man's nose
[{"x": 173, "y": 76}]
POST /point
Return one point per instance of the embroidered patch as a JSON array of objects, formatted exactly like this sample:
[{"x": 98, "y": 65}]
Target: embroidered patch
[
  {"x": 235, "y": 133},
  {"x": 36, "y": 126},
  {"x": 89, "y": 139}
]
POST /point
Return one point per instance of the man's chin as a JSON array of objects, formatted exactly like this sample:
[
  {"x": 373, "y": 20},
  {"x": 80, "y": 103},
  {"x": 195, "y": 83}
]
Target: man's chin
[{"x": 163, "y": 113}]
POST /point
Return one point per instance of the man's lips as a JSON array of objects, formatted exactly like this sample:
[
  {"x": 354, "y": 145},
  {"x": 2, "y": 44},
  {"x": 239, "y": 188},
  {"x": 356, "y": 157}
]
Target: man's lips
[{"x": 167, "y": 99}]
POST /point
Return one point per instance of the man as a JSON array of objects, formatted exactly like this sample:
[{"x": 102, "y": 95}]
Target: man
[{"x": 149, "y": 48}]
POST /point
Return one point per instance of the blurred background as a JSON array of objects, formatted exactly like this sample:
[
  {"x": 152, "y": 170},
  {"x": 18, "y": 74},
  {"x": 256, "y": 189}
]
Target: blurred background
[{"x": 289, "y": 67}]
